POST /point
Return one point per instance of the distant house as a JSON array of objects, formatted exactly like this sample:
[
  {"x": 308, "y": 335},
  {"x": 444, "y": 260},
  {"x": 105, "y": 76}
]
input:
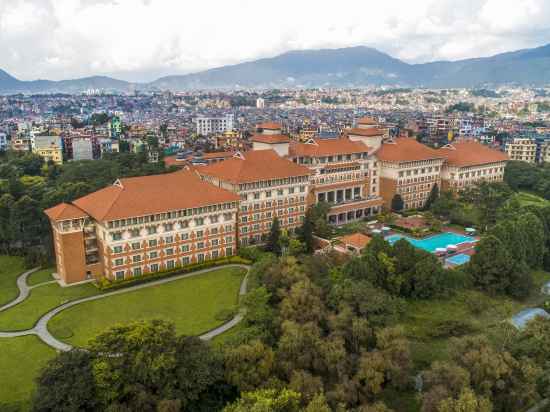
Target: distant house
[{"x": 352, "y": 244}]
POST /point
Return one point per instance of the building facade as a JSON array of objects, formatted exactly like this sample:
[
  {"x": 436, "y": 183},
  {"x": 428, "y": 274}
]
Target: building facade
[
  {"x": 521, "y": 148},
  {"x": 209, "y": 125}
]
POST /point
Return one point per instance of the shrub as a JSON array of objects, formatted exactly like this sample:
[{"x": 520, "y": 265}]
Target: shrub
[
  {"x": 452, "y": 327},
  {"x": 106, "y": 284}
]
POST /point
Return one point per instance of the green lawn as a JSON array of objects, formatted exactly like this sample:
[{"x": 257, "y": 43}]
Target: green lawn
[
  {"x": 473, "y": 311},
  {"x": 41, "y": 300},
  {"x": 10, "y": 268},
  {"x": 526, "y": 199},
  {"x": 21, "y": 360},
  {"x": 40, "y": 276},
  {"x": 192, "y": 304}
]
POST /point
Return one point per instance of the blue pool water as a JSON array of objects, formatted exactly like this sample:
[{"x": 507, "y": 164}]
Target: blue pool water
[
  {"x": 459, "y": 259},
  {"x": 430, "y": 244}
]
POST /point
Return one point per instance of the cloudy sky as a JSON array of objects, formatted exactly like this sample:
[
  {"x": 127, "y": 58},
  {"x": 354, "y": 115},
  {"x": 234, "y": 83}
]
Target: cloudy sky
[{"x": 140, "y": 40}]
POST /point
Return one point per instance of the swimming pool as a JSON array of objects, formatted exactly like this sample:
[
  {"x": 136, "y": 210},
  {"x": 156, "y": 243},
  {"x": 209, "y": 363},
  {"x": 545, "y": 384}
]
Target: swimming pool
[
  {"x": 430, "y": 244},
  {"x": 458, "y": 260}
]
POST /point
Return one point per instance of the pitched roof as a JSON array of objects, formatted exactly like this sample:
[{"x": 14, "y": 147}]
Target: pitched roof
[
  {"x": 327, "y": 147},
  {"x": 270, "y": 138},
  {"x": 357, "y": 240},
  {"x": 269, "y": 126},
  {"x": 373, "y": 131},
  {"x": 367, "y": 121},
  {"x": 64, "y": 211},
  {"x": 254, "y": 166},
  {"x": 404, "y": 149},
  {"x": 145, "y": 195},
  {"x": 471, "y": 153}
]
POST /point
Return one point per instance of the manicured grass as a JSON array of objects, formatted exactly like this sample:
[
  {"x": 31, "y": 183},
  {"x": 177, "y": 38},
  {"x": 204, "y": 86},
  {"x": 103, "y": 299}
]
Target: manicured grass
[
  {"x": 10, "y": 268},
  {"x": 474, "y": 310},
  {"x": 40, "y": 276},
  {"x": 41, "y": 300},
  {"x": 21, "y": 360},
  {"x": 526, "y": 199},
  {"x": 192, "y": 304}
]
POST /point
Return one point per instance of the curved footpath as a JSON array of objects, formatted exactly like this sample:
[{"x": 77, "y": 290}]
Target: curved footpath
[{"x": 41, "y": 327}]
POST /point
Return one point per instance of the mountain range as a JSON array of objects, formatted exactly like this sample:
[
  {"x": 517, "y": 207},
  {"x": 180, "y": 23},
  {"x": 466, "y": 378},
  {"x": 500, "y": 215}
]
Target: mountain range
[{"x": 346, "y": 67}]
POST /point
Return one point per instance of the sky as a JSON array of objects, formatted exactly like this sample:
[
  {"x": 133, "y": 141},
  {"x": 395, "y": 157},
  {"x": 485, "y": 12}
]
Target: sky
[{"x": 141, "y": 40}]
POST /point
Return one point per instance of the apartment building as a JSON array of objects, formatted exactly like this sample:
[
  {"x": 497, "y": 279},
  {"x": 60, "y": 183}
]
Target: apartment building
[
  {"x": 209, "y": 125},
  {"x": 409, "y": 169},
  {"x": 141, "y": 225},
  {"x": 49, "y": 147},
  {"x": 468, "y": 163},
  {"x": 268, "y": 186},
  {"x": 522, "y": 148}
]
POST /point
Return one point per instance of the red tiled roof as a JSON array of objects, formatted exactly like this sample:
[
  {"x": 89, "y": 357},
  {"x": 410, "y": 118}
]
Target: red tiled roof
[
  {"x": 269, "y": 126},
  {"x": 404, "y": 149},
  {"x": 367, "y": 121},
  {"x": 327, "y": 147},
  {"x": 358, "y": 240},
  {"x": 270, "y": 138},
  {"x": 140, "y": 196},
  {"x": 373, "y": 131},
  {"x": 64, "y": 211},
  {"x": 254, "y": 166},
  {"x": 471, "y": 153}
]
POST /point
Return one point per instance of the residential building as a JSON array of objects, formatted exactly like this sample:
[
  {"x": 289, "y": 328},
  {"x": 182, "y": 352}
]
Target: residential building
[
  {"x": 469, "y": 162},
  {"x": 260, "y": 103},
  {"x": 409, "y": 169},
  {"x": 3, "y": 141},
  {"x": 268, "y": 185},
  {"x": 49, "y": 147},
  {"x": 141, "y": 225},
  {"x": 210, "y": 125},
  {"x": 521, "y": 148},
  {"x": 82, "y": 149}
]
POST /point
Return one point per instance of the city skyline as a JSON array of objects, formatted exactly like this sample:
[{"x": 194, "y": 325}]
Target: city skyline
[{"x": 45, "y": 39}]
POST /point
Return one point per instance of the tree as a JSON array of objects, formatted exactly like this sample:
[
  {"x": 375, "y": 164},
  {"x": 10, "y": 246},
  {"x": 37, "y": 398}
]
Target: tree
[
  {"x": 266, "y": 400},
  {"x": 66, "y": 384},
  {"x": 273, "y": 240},
  {"x": 432, "y": 198},
  {"x": 443, "y": 380},
  {"x": 248, "y": 366},
  {"x": 397, "y": 203},
  {"x": 305, "y": 233},
  {"x": 468, "y": 401}
]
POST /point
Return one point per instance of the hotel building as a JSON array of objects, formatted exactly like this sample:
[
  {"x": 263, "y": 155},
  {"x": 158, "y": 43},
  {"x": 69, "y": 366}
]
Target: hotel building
[
  {"x": 143, "y": 224},
  {"x": 468, "y": 163},
  {"x": 409, "y": 169}
]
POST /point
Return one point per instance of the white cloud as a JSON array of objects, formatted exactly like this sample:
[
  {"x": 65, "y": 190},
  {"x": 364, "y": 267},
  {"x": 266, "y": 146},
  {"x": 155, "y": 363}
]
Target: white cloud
[{"x": 141, "y": 39}]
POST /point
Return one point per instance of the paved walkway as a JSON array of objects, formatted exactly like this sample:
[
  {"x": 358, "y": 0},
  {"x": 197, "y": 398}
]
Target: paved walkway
[
  {"x": 23, "y": 289},
  {"x": 41, "y": 327}
]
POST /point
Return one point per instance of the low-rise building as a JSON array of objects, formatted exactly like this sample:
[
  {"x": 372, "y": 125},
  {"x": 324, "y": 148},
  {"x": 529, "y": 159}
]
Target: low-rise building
[
  {"x": 49, "y": 147},
  {"x": 521, "y": 148}
]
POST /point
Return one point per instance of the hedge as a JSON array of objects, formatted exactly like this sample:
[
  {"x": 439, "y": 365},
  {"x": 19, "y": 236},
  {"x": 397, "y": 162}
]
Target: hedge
[{"x": 106, "y": 284}]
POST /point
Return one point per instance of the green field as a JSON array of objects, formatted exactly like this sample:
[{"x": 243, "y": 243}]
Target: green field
[
  {"x": 192, "y": 304},
  {"x": 40, "y": 276},
  {"x": 41, "y": 300},
  {"x": 527, "y": 199},
  {"x": 472, "y": 311},
  {"x": 10, "y": 268},
  {"x": 21, "y": 360}
]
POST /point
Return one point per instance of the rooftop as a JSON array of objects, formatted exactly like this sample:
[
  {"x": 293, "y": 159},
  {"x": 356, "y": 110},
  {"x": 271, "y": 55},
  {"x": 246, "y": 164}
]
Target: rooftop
[
  {"x": 64, "y": 211},
  {"x": 357, "y": 240},
  {"x": 471, "y": 153},
  {"x": 269, "y": 126},
  {"x": 373, "y": 131},
  {"x": 145, "y": 195},
  {"x": 270, "y": 138},
  {"x": 254, "y": 166},
  {"x": 327, "y": 147},
  {"x": 404, "y": 149}
]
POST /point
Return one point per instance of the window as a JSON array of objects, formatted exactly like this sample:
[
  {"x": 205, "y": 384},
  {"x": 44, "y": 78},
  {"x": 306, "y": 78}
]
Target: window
[
  {"x": 119, "y": 262},
  {"x": 136, "y": 246},
  {"x": 117, "y": 235},
  {"x": 244, "y": 219},
  {"x": 170, "y": 264},
  {"x": 228, "y": 251},
  {"x": 119, "y": 275},
  {"x": 154, "y": 267},
  {"x": 200, "y": 257},
  {"x": 117, "y": 249},
  {"x": 199, "y": 234},
  {"x": 228, "y": 239},
  {"x": 199, "y": 221},
  {"x": 214, "y": 231},
  {"x": 184, "y": 236},
  {"x": 136, "y": 258},
  {"x": 280, "y": 192},
  {"x": 134, "y": 232},
  {"x": 200, "y": 245},
  {"x": 185, "y": 248},
  {"x": 291, "y": 190},
  {"x": 169, "y": 239},
  {"x": 256, "y": 196},
  {"x": 228, "y": 216},
  {"x": 215, "y": 254},
  {"x": 214, "y": 219},
  {"x": 151, "y": 230},
  {"x": 137, "y": 271},
  {"x": 185, "y": 260},
  {"x": 215, "y": 242},
  {"x": 152, "y": 242},
  {"x": 168, "y": 227},
  {"x": 268, "y": 193},
  {"x": 153, "y": 255}
]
